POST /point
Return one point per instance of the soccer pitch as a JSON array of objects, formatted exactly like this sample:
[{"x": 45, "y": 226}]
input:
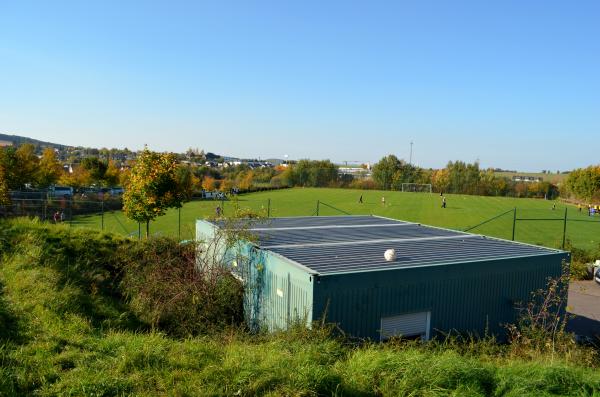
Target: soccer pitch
[{"x": 462, "y": 212}]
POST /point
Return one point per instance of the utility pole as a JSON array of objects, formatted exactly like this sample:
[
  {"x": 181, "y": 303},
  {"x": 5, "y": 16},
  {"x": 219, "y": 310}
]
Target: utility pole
[{"x": 410, "y": 158}]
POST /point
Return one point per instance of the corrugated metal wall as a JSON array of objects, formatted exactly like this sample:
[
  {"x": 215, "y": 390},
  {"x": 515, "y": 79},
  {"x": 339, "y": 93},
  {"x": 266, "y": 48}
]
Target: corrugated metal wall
[
  {"x": 277, "y": 292},
  {"x": 287, "y": 294},
  {"x": 468, "y": 297}
]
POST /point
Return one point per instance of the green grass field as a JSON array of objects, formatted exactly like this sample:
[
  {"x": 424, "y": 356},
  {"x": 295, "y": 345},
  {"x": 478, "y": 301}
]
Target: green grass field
[{"x": 463, "y": 211}]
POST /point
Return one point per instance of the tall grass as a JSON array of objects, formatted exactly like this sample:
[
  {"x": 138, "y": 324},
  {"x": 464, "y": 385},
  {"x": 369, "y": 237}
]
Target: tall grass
[{"x": 68, "y": 329}]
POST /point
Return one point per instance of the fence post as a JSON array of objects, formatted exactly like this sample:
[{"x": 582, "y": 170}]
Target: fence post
[
  {"x": 102, "y": 215},
  {"x": 565, "y": 229},
  {"x": 514, "y": 223},
  {"x": 139, "y": 231},
  {"x": 179, "y": 224},
  {"x": 268, "y": 208},
  {"x": 318, "y": 202}
]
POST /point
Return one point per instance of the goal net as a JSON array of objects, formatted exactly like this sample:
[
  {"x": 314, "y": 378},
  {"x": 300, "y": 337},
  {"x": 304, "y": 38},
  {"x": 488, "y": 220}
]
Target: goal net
[{"x": 416, "y": 187}]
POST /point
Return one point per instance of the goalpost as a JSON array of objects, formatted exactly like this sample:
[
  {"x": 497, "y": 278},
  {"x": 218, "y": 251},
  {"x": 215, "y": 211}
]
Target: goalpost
[{"x": 417, "y": 187}]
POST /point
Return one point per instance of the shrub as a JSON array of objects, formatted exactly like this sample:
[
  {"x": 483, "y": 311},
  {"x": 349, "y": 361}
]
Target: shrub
[
  {"x": 580, "y": 260},
  {"x": 165, "y": 290},
  {"x": 365, "y": 184}
]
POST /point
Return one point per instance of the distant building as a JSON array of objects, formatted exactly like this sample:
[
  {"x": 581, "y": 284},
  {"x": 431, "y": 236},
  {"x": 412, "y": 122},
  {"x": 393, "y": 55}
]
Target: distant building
[
  {"x": 5, "y": 143},
  {"x": 524, "y": 178},
  {"x": 355, "y": 171}
]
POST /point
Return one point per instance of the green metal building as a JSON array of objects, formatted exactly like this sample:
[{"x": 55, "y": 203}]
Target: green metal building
[{"x": 334, "y": 268}]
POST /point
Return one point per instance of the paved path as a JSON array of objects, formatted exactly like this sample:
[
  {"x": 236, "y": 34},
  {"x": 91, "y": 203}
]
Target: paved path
[{"x": 584, "y": 302}]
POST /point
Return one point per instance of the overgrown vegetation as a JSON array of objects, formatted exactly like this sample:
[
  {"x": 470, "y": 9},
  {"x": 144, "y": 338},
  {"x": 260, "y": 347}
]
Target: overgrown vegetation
[
  {"x": 165, "y": 290},
  {"x": 74, "y": 321}
]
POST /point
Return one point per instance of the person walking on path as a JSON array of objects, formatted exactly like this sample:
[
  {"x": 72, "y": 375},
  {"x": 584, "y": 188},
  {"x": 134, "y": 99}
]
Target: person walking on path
[{"x": 360, "y": 199}]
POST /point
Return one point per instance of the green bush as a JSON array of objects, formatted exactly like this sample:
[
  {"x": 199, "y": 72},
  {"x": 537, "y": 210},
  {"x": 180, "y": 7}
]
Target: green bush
[
  {"x": 165, "y": 290},
  {"x": 580, "y": 259}
]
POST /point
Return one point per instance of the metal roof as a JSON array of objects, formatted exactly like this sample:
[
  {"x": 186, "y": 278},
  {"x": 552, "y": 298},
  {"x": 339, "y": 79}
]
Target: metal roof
[{"x": 349, "y": 244}]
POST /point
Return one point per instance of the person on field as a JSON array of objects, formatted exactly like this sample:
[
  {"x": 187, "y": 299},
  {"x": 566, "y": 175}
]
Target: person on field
[
  {"x": 360, "y": 199},
  {"x": 443, "y": 201},
  {"x": 553, "y": 206},
  {"x": 56, "y": 217},
  {"x": 579, "y": 207},
  {"x": 218, "y": 211},
  {"x": 383, "y": 200}
]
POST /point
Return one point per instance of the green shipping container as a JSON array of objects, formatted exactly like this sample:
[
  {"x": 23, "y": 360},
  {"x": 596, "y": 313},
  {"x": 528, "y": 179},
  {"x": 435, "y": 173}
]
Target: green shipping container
[{"x": 334, "y": 269}]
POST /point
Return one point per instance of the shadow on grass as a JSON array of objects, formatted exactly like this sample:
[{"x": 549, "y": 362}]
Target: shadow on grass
[
  {"x": 9, "y": 322},
  {"x": 89, "y": 276}
]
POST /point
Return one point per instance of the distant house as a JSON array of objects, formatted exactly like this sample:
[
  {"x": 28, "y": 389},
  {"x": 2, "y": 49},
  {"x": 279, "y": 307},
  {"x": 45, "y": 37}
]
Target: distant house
[
  {"x": 5, "y": 143},
  {"x": 355, "y": 171},
  {"x": 524, "y": 178}
]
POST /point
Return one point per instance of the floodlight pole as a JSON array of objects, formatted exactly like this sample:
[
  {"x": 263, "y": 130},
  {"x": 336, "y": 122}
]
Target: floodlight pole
[{"x": 410, "y": 158}]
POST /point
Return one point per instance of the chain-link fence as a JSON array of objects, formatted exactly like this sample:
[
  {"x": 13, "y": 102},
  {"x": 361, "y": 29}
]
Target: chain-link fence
[
  {"x": 549, "y": 227},
  {"x": 554, "y": 228}
]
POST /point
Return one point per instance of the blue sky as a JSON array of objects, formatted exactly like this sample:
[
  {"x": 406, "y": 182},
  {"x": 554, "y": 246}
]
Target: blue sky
[{"x": 515, "y": 84}]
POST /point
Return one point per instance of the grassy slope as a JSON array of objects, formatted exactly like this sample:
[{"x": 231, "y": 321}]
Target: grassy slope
[
  {"x": 463, "y": 211},
  {"x": 67, "y": 338}
]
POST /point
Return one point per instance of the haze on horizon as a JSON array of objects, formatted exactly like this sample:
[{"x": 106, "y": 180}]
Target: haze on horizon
[{"x": 512, "y": 84}]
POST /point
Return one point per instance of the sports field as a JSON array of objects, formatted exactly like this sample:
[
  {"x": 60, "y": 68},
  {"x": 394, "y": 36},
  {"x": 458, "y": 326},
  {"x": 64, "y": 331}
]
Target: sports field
[{"x": 462, "y": 212}]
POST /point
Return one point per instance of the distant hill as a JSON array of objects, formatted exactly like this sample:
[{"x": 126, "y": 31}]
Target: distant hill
[{"x": 19, "y": 140}]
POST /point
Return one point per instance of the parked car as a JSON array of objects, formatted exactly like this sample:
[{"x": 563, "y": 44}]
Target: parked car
[{"x": 60, "y": 191}]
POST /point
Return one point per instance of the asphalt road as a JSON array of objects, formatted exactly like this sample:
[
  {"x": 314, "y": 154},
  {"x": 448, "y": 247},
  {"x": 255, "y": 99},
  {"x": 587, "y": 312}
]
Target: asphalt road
[{"x": 584, "y": 303}]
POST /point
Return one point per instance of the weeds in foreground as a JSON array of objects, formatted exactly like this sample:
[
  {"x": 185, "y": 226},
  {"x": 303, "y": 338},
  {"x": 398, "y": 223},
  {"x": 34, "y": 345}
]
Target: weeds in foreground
[{"x": 61, "y": 350}]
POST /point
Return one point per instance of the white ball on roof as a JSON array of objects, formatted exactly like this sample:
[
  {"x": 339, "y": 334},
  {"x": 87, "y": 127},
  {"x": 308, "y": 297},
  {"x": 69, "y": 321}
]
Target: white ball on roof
[{"x": 390, "y": 255}]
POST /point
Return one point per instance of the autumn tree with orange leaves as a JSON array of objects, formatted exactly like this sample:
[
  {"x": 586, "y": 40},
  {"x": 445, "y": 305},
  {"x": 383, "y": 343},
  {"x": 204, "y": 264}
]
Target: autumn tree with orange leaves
[{"x": 152, "y": 187}]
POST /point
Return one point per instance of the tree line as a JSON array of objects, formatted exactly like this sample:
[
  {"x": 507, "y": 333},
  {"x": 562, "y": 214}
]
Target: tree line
[
  {"x": 583, "y": 184},
  {"x": 21, "y": 167},
  {"x": 457, "y": 177}
]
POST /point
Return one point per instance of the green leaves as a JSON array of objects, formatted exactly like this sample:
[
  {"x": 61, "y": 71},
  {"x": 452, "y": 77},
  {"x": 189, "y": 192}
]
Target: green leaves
[{"x": 152, "y": 187}]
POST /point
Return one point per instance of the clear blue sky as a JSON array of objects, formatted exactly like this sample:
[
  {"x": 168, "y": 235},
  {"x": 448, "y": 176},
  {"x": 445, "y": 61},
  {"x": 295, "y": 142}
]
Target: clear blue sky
[{"x": 515, "y": 84}]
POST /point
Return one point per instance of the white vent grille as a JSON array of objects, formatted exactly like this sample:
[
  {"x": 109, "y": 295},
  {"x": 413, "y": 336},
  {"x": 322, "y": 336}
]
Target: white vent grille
[{"x": 409, "y": 325}]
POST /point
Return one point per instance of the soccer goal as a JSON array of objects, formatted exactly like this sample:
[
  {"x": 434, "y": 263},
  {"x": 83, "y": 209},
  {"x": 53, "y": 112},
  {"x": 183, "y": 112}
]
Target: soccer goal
[{"x": 417, "y": 187}]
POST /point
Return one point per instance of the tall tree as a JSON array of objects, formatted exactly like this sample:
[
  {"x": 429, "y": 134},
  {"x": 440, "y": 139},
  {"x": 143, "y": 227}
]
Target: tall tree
[
  {"x": 384, "y": 171},
  {"x": 49, "y": 170},
  {"x": 112, "y": 174},
  {"x": 4, "y": 191},
  {"x": 152, "y": 187},
  {"x": 96, "y": 167},
  {"x": 208, "y": 183},
  {"x": 78, "y": 179},
  {"x": 185, "y": 179},
  {"x": 26, "y": 165}
]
